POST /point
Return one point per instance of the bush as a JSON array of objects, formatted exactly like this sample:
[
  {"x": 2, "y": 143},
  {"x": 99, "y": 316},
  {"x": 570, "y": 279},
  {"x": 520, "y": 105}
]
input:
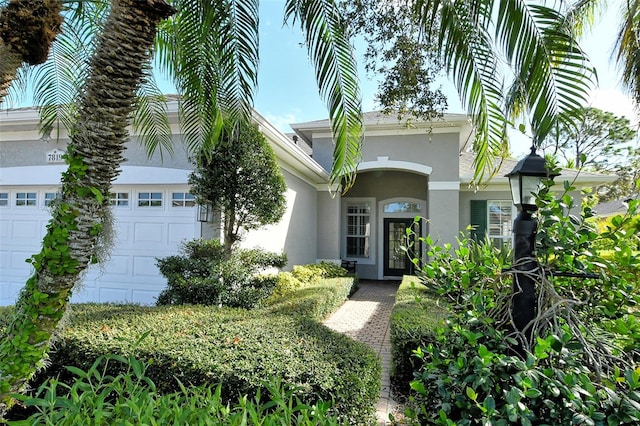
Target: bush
[
  {"x": 314, "y": 301},
  {"x": 239, "y": 349},
  {"x": 132, "y": 398},
  {"x": 469, "y": 377},
  {"x": 316, "y": 271},
  {"x": 200, "y": 275},
  {"x": 414, "y": 322}
]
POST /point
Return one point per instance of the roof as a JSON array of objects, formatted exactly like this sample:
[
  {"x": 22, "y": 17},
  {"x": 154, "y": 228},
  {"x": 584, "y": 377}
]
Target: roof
[
  {"x": 380, "y": 121},
  {"x": 580, "y": 177},
  {"x": 609, "y": 208}
]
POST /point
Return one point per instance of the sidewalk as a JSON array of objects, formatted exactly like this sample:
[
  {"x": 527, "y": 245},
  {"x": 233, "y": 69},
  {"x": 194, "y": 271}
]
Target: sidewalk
[{"x": 365, "y": 317}]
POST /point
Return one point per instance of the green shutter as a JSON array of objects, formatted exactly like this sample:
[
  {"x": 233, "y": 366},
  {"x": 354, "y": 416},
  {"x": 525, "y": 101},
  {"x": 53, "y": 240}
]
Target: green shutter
[{"x": 478, "y": 219}]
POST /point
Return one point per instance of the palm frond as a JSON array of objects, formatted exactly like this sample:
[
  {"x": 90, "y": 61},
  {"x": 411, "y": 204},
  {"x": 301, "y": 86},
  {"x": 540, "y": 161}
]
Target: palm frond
[
  {"x": 580, "y": 16},
  {"x": 327, "y": 41},
  {"x": 57, "y": 83},
  {"x": 210, "y": 49},
  {"x": 546, "y": 61},
  {"x": 150, "y": 120},
  {"x": 628, "y": 48},
  {"x": 470, "y": 58}
]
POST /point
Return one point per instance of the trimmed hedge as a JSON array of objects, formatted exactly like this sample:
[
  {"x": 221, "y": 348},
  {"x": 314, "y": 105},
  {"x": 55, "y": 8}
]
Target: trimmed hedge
[
  {"x": 315, "y": 301},
  {"x": 238, "y": 348},
  {"x": 414, "y": 320}
]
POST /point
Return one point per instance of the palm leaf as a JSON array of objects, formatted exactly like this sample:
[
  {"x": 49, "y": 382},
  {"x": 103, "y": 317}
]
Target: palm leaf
[
  {"x": 210, "y": 48},
  {"x": 150, "y": 120},
  {"x": 336, "y": 72},
  {"x": 469, "y": 56},
  {"x": 628, "y": 48}
]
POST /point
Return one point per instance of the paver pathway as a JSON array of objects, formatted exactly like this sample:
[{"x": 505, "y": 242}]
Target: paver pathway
[{"x": 365, "y": 317}]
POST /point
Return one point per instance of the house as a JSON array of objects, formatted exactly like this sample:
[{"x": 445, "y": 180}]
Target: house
[{"x": 408, "y": 169}]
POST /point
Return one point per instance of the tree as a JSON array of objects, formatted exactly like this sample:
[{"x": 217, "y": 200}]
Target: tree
[
  {"x": 27, "y": 30},
  {"x": 242, "y": 178},
  {"x": 597, "y": 140},
  {"x": 97, "y": 145},
  {"x": 402, "y": 54}
]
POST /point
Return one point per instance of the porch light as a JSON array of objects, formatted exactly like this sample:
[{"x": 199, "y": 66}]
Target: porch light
[
  {"x": 525, "y": 180},
  {"x": 205, "y": 213}
]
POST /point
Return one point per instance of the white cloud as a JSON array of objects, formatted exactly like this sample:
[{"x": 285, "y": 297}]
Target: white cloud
[
  {"x": 282, "y": 122},
  {"x": 614, "y": 101}
]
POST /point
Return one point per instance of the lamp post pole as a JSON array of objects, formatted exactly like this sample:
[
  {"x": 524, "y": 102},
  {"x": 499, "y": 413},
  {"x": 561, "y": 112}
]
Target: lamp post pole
[
  {"x": 524, "y": 303},
  {"x": 525, "y": 179}
]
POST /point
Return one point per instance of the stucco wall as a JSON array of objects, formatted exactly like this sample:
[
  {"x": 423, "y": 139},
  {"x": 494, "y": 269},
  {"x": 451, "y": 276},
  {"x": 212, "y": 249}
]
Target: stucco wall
[
  {"x": 389, "y": 184},
  {"x": 295, "y": 234},
  {"x": 328, "y": 226}
]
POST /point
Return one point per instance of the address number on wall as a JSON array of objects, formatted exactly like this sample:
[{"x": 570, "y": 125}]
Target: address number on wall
[{"x": 55, "y": 156}]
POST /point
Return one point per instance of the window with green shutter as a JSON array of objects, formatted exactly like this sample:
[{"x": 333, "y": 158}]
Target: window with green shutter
[{"x": 478, "y": 219}]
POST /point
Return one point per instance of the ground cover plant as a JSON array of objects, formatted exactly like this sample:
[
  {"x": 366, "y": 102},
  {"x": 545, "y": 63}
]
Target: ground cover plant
[
  {"x": 581, "y": 364},
  {"x": 198, "y": 347}
]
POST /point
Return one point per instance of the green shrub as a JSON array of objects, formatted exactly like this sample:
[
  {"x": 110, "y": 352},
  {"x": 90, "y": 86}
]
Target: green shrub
[
  {"x": 469, "y": 377},
  {"x": 287, "y": 283},
  {"x": 414, "y": 322},
  {"x": 314, "y": 301},
  {"x": 238, "y": 348},
  {"x": 316, "y": 271},
  {"x": 131, "y": 397},
  {"x": 201, "y": 275}
]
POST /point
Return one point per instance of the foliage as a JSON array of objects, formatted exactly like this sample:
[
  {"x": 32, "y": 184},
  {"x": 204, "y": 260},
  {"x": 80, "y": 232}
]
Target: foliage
[
  {"x": 314, "y": 272},
  {"x": 600, "y": 141},
  {"x": 414, "y": 320},
  {"x": 581, "y": 363},
  {"x": 201, "y": 275},
  {"x": 314, "y": 300},
  {"x": 242, "y": 179},
  {"x": 509, "y": 60},
  {"x": 469, "y": 377},
  {"x": 401, "y": 55},
  {"x": 234, "y": 347},
  {"x": 130, "y": 397},
  {"x": 597, "y": 140}
]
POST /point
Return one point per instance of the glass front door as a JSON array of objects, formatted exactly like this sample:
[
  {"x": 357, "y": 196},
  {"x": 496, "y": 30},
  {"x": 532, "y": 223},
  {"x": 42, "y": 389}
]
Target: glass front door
[{"x": 396, "y": 261}]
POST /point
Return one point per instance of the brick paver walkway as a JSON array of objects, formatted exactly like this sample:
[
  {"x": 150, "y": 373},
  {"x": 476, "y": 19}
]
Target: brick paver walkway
[{"x": 365, "y": 317}]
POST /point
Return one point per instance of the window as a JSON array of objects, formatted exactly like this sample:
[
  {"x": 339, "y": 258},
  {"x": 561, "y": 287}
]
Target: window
[
  {"x": 182, "y": 199},
  {"x": 403, "y": 207},
  {"x": 4, "y": 199},
  {"x": 358, "y": 229},
  {"x": 50, "y": 196},
  {"x": 492, "y": 218},
  {"x": 26, "y": 199},
  {"x": 150, "y": 199},
  {"x": 119, "y": 199}
]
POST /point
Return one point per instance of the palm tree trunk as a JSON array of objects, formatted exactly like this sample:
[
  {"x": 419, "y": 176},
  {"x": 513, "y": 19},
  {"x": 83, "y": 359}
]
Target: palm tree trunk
[
  {"x": 94, "y": 155},
  {"x": 27, "y": 31}
]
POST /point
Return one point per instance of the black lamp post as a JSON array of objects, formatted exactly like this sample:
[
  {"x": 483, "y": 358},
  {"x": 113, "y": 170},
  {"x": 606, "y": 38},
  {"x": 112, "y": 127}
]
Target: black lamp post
[{"x": 525, "y": 180}]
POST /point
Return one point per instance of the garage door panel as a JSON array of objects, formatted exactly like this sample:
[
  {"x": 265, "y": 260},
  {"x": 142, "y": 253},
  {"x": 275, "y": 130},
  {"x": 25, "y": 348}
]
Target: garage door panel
[
  {"x": 18, "y": 263},
  {"x": 26, "y": 230},
  {"x": 145, "y": 266},
  {"x": 179, "y": 232},
  {"x": 148, "y": 233}
]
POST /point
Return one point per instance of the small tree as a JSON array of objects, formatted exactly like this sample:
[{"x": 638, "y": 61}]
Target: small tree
[{"x": 242, "y": 178}]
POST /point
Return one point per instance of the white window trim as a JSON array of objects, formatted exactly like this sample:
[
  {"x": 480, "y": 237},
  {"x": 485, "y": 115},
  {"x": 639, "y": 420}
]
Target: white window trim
[
  {"x": 150, "y": 191},
  {"x": 372, "y": 230},
  {"x": 15, "y": 199},
  {"x": 184, "y": 200},
  {"x": 116, "y": 199},
  {"x": 509, "y": 235}
]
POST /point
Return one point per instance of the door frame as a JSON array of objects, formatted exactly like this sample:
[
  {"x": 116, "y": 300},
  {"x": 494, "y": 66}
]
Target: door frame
[{"x": 380, "y": 227}]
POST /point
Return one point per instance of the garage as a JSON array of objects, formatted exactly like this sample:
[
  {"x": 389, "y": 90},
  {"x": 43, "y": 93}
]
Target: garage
[{"x": 153, "y": 213}]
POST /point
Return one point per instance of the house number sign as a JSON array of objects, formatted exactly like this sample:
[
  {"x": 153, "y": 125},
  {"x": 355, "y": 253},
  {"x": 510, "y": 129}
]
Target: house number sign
[{"x": 55, "y": 156}]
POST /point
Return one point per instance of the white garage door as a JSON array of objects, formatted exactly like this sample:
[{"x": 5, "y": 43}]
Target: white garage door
[{"x": 150, "y": 222}]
